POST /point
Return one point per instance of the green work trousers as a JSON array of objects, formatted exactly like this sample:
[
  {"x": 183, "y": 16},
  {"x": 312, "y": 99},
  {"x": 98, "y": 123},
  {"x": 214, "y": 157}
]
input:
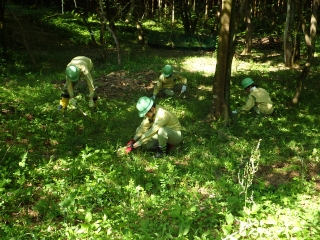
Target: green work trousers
[{"x": 165, "y": 135}]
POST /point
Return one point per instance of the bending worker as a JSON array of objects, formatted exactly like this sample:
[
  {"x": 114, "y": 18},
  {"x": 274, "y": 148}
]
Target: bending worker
[{"x": 79, "y": 67}]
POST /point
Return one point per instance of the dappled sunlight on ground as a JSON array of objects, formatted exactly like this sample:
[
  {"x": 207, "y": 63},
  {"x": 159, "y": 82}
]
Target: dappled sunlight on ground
[{"x": 205, "y": 65}]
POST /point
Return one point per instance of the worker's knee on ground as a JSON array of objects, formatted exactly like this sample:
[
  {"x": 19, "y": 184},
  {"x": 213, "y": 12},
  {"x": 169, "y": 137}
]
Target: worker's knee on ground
[{"x": 162, "y": 133}]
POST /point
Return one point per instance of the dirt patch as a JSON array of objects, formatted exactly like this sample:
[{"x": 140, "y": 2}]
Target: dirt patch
[
  {"x": 283, "y": 173},
  {"x": 117, "y": 84}
]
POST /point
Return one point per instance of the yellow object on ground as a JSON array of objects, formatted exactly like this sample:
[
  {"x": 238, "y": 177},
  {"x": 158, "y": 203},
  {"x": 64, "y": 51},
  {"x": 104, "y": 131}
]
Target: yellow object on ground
[{"x": 64, "y": 102}]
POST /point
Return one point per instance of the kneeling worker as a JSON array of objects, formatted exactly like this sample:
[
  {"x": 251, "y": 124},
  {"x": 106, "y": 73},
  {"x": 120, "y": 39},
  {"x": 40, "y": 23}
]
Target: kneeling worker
[
  {"x": 160, "y": 129},
  {"x": 170, "y": 82}
]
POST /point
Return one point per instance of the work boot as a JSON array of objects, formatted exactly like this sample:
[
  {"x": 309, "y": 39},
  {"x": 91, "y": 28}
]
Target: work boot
[
  {"x": 95, "y": 108},
  {"x": 64, "y": 101},
  {"x": 161, "y": 152},
  {"x": 169, "y": 147}
]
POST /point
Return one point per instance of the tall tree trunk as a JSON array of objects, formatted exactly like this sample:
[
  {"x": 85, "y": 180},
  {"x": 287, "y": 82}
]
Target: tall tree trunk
[
  {"x": 111, "y": 32},
  {"x": 235, "y": 15},
  {"x": 310, "y": 42},
  {"x": 152, "y": 9},
  {"x": 185, "y": 16},
  {"x": 160, "y": 9},
  {"x": 25, "y": 41},
  {"x": 2, "y": 29},
  {"x": 109, "y": 17},
  {"x": 138, "y": 17},
  {"x": 248, "y": 41},
  {"x": 172, "y": 13},
  {"x": 219, "y": 104},
  {"x": 296, "y": 46},
  {"x": 130, "y": 12},
  {"x": 287, "y": 38}
]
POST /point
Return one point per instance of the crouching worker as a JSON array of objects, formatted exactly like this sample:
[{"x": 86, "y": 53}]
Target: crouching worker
[
  {"x": 159, "y": 130},
  {"x": 258, "y": 101},
  {"x": 170, "y": 82},
  {"x": 80, "y": 67}
]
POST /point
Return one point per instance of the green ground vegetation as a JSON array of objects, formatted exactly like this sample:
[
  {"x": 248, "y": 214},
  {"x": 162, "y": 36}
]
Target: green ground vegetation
[{"x": 62, "y": 176}]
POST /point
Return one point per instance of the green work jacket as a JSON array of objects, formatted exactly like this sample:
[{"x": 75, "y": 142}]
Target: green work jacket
[
  {"x": 149, "y": 127},
  {"x": 260, "y": 98},
  {"x": 168, "y": 82},
  {"x": 85, "y": 66}
]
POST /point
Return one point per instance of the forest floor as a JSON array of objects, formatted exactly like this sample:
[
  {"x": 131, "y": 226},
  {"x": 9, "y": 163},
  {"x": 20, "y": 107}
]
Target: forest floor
[{"x": 37, "y": 39}]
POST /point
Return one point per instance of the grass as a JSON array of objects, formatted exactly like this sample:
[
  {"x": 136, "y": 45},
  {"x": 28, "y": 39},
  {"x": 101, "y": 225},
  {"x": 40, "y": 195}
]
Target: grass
[{"x": 62, "y": 176}]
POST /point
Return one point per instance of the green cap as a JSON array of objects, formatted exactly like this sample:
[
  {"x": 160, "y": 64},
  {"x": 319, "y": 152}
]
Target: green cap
[
  {"x": 144, "y": 104},
  {"x": 167, "y": 70},
  {"x": 73, "y": 73},
  {"x": 246, "y": 82}
]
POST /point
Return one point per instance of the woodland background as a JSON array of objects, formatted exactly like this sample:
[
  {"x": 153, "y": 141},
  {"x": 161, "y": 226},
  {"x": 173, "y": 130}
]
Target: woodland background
[{"x": 62, "y": 174}]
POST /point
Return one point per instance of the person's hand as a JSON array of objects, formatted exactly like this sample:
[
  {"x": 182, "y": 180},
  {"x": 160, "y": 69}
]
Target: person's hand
[
  {"x": 129, "y": 146},
  {"x": 128, "y": 150},
  {"x": 130, "y": 143},
  {"x": 234, "y": 112},
  {"x": 73, "y": 102},
  {"x": 91, "y": 103},
  {"x": 154, "y": 97},
  {"x": 183, "y": 89}
]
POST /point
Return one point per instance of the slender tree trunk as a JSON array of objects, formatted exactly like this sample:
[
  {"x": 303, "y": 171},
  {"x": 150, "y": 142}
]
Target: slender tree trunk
[
  {"x": 185, "y": 16},
  {"x": 109, "y": 17},
  {"x": 25, "y": 41},
  {"x": 152, "y": 9},
  {"x": 111, "y": 32},
  {"x": 160, "y": 9},
  {"x": 310, "y": 42},
  {"x": 297, "y": 44},
  {"x": 287, "y": 38},
  {"x": 2, "y": 29},
  {"x": 248, "y": 41},
  {"x": 219, "y": 104},
  {"x": 206, "y": 16},
  {"x": 140, "y": 32},
  {"x": 172, "y": 13},
  {"x": 130, "y": 12}
]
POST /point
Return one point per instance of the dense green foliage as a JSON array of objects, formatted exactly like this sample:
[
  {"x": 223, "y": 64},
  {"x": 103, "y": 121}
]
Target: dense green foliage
[{"x": 63, "y": 178}]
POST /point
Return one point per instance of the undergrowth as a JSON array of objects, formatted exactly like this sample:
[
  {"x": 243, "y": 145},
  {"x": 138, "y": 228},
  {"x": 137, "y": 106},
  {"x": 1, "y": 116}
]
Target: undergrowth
[{"x": 62, "y": 176}]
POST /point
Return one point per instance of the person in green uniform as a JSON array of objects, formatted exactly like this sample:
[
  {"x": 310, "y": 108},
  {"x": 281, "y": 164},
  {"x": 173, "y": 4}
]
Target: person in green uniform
[
  {"x": 80, "y": 67},
  {"x": 258, "y": 101},
  {"x": 170, "y": 82},
  {"x": 159, "y": 129}
]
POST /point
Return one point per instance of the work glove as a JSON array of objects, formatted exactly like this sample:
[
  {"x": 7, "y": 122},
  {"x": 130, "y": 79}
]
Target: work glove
[
  {"x": 234, "y": 112},
  {"x": 183, "y": 89},
  {"x": 91, "y": 103},
  {"x": 63, "y": 103},
  {"x": 73, "y": 102},
  {"x": 153, "y": 97},
  {"x": 129, "y": 146}
]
